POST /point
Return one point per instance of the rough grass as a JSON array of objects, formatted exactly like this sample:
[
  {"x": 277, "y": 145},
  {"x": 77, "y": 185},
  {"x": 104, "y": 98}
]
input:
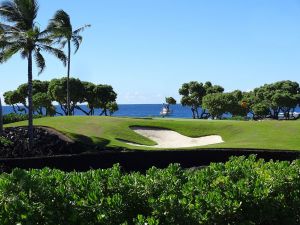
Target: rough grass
[{"x": 107, "y": 131}]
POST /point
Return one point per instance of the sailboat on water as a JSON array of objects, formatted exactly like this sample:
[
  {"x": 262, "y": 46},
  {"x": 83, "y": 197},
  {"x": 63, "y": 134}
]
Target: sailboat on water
[{"x": 166, "y": 111}]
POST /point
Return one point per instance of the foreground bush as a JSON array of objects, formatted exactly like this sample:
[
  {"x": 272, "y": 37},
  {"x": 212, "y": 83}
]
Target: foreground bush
[
  {"x": 242, "y": 191},
  {"x": 4, "y": 142},
  {"x": 14, "y": 117}
]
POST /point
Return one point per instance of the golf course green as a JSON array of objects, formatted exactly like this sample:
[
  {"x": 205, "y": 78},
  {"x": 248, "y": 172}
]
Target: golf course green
[{"x": 113, "y": 131}]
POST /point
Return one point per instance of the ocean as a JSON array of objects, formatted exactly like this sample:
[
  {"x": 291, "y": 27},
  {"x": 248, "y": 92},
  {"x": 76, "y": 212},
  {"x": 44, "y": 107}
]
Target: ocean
[
  {"x": 139, "y": 110},
  {"x": 132, "y": 110}
]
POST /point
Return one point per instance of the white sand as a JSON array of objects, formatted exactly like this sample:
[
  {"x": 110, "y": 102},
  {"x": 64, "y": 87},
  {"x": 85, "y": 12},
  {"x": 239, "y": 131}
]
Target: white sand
[{"x": 171, "y": 139}]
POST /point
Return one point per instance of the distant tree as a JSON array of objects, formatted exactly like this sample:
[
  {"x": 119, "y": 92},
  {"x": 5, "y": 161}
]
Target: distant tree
[
  {"x": 99, "y": 96},
  {"x": 39, "y": 86},
  {"x": 238, "y": 105},
  {"x": 112, "y": 107},
  {"x": 286, "y": 102},
  {"x": 215, "y": 104},
  {"x": 170, "y": 101},
  {"x": 22, "y": 91},
  {"x": 89, "y": 97},
  {"x": 260, "y": 110},
  {"x": 22, "y": 35},
  {"x": 211, "y": 89},
  {"x": 42, "y": 101},
  {"x": 248, "y": 100},
  {"x": 282, "y": 96},
  {"x": 13, "y": 98},
  {"x": 44, "y": 93},
  {"x": 193, "y": 93},
  {"x": 104, "y": 95},
  {"x": 57, "y": 92},
  {"x": 220, "y": 103},
  {"x": 20, "y": 96},
  {"x": 61, "y": 29}
]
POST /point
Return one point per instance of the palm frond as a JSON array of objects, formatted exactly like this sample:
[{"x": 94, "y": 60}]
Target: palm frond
[
  {"x": 60, "y": 25},
  {"x": 20, "y": 12},
  {"x": 56, "y": 52},
  {"x": 7, "y": 52},
  {"x": 5, "y": 44},
  {"x": 81, "y": 29},
  {"x": 62, "y": 18},
  {"x": 24, "y": 54},
  {"x": 63, "y": 43},
  {"x": 76, "y": 42},
  {"x": 44, "y": 33},
  {"x": 8, "y": 11},
  {"x": 39, "y": 60},
  {"x": 7, "y": 28},
  {"x": 45, "y": 41}
]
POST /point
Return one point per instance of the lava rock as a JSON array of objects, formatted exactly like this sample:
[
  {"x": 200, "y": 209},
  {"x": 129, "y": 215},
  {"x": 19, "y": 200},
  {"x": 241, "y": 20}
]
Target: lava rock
[{"x": 46, "y": 143}]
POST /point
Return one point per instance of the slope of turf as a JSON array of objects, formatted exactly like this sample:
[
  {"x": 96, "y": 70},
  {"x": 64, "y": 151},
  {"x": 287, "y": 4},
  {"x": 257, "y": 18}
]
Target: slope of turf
[{"x": 107, "y": 131}]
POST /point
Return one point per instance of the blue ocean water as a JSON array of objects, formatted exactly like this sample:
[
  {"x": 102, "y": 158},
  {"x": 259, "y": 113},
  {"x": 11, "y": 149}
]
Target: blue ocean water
[
  {"x": 133, "y": 110},
  {"x": 138, "y": 110}
]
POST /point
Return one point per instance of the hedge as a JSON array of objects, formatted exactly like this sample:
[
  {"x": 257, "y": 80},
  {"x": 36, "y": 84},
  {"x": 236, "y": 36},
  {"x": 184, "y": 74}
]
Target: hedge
[
  {"x": 14, "y": 117},
  {"x": 242, "y": 191}
]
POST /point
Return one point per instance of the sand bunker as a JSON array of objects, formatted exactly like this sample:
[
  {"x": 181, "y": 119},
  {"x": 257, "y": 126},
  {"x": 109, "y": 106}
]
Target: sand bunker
[{"x": 171, "y": 139}]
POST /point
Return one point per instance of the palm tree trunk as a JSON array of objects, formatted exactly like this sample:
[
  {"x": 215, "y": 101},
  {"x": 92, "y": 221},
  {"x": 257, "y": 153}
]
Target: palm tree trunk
[
  {"x": 68, "y": 77},
  {"x": 30, "y": 108},
  {"x": 1, "y": 118}
]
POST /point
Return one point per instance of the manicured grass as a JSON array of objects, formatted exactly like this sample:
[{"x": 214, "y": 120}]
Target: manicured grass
[{"x": 106, "y": 131}]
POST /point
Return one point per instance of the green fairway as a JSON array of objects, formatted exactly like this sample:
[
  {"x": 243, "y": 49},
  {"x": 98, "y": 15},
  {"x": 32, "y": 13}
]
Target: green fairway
[{"x": 107, "y": 131}]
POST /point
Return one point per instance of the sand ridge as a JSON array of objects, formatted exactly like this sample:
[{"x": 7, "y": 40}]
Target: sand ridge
[{"x": 171, "y": 139}]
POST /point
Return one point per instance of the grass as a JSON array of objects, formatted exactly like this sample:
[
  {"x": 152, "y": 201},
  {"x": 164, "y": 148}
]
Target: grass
[{"x": 107, "y": 131}]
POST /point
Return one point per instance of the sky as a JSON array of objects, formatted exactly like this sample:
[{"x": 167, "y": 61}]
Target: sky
[{"x": 146, "y": 49}]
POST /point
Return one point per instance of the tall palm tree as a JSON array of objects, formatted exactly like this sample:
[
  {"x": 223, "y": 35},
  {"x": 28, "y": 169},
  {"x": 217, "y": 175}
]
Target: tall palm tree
[
  {"x": 1, "y": 113},
  {"x": 20, "y": 34},
  {"x": 1, "y": 118},
  {"x": 61, "y": 29}
]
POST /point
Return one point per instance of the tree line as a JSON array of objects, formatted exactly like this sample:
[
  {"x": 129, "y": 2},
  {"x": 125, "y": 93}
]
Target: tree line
[
  {"x": 46, "y": 92},
  {"x": 266, "y": 101}
]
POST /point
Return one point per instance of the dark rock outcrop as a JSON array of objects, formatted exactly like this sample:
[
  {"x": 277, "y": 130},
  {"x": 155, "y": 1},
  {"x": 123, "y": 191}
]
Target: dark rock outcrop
[{"x": 47, "y": 142}]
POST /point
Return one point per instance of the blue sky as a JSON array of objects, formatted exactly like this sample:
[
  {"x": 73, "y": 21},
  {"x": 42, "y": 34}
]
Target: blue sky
[{"x": 146, "y": 49}]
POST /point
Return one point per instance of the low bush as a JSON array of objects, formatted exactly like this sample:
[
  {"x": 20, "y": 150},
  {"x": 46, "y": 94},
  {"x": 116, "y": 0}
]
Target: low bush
[
  {"x": 14, "y": 117},
  {"x": 239, "y": 118},
  {"x": 242, "y": 191},
  {"x": 5, "y": 142}
]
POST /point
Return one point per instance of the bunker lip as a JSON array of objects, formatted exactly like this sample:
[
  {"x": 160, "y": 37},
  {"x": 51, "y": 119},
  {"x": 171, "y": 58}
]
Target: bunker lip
[{"x": 171, "y": 139}]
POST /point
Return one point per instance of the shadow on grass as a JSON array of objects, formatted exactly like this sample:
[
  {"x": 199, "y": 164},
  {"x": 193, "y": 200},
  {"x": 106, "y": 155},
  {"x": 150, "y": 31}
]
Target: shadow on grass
[
  {"x": 90, "y": 144},
  {"x": 131, "y": 142},
  {"x": 148, "y": 127}
]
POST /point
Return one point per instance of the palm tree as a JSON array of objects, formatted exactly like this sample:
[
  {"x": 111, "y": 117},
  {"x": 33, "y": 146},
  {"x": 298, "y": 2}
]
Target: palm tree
[
  {"x": 1, "y": 118},
  {"x": 61, "y": 29},
  {"x": 21, "y": 35},
  {"x": 1, "y": 113}
]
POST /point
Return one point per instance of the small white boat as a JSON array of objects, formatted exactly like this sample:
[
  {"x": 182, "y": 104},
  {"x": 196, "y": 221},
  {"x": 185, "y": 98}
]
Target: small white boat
[{"x": 165, "y": 111}]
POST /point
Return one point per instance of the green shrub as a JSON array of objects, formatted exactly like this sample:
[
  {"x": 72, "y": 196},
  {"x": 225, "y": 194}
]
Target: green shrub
[
  {"x": 239, "y": 118},
  {"x": 241, "y": 191},
  {"x": 14, "y": 117},
  {"x": 5, "y": 142}
]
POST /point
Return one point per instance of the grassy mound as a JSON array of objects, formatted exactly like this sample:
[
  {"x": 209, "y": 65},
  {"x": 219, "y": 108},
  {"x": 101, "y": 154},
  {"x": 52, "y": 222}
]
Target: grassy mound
[{"x": 108, "y": 131}]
